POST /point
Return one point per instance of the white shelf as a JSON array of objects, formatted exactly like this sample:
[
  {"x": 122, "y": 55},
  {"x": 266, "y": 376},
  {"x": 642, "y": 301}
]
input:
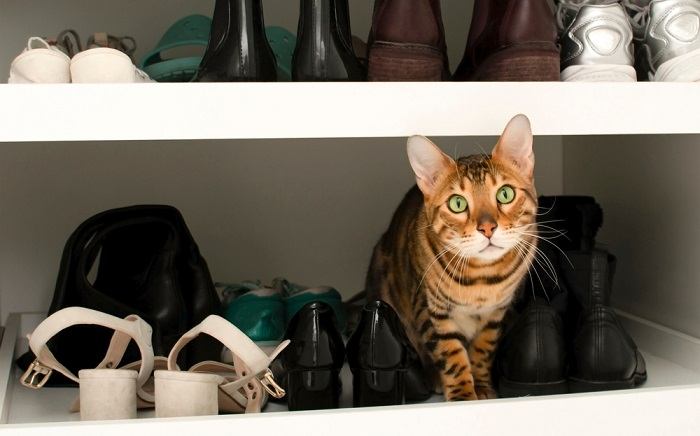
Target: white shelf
[
  {"x": 331, "y": 110},
  {"x": 667, "y": 404}
]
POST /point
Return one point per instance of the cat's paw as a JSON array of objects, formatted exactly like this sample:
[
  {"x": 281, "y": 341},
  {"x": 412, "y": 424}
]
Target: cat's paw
[
  {"x": 461, "y": 395},
  {"x": 486, "y": 392}
]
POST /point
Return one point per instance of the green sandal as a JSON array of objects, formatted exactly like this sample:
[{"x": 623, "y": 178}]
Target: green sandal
[{"x": 192, "y": 31}]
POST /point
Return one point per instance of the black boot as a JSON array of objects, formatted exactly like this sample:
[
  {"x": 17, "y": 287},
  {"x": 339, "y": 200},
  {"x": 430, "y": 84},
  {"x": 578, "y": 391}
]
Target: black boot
[
  {"x": 380, "y": 356},
  {"x": 531, "y": 357},
  {"x": 603, "y": 355},
  {"x": 324, "y": 43},
  {"x": 238, "y": 49},
  {"x": 313, "y": 359}
]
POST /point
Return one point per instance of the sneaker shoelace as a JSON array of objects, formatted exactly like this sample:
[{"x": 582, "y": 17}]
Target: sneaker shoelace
[{"x": 638, "y": 11}]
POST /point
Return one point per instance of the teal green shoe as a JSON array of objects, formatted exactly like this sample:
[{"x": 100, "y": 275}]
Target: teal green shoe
[
  {"x": 282, "y": 42},
  {"x": 189, "y": 33},
  {"x": 297, "y": 296},
  {"x": 256, "y": 310}
]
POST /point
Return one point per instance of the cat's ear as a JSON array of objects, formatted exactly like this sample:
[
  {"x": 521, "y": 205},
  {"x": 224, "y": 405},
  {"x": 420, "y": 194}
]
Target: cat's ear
[
  {"x": 515, "y": 145},
  {"x": 428, "y": 162}
]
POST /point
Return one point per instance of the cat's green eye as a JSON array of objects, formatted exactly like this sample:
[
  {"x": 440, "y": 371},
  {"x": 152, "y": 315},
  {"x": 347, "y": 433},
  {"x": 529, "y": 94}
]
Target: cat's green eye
[
  {"x": 505, "y": 195},
  {"x": 457, "y": 204}
]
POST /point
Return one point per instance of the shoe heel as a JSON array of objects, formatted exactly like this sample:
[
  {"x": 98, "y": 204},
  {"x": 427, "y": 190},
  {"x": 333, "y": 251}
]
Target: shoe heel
[
  {"x": 313, "y": 389},
  {"x": 517, "y": 64},
  {"x": 199, "y": 389},
  {"x": 404, "y": 63},
  {"x": 107, "y": 394},
  {"x": 377, "y": 387}
]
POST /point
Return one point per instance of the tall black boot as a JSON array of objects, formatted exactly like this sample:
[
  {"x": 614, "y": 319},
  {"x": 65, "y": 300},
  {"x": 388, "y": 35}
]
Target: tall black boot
[
  {"x": 324, "y": 48},
  {"x": 603, "y": 355},
  {"x": 238, "y": 49}
]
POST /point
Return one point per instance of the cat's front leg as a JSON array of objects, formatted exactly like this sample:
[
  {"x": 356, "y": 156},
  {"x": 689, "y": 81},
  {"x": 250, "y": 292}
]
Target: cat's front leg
[
  {"x": 481, "y": 352},
  {"x": 448, "y": 349}
]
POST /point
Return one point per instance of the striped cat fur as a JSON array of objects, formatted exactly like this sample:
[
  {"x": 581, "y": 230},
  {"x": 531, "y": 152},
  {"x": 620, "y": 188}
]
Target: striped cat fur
[{"x": 455, "y": 254}]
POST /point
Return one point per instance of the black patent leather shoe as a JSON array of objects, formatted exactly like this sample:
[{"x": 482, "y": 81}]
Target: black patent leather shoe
[
  {"x": 380, "y": 357},
  {"x": 313, "y": 359},
  {"x": 238, "y": 50},
  {"x": 324, "y": 50},
  {"x": 603, "y": 356}
]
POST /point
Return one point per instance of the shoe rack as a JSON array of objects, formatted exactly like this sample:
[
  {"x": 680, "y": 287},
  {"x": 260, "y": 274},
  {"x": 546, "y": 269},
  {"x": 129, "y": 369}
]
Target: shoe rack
[{"x": 300, "y": 179}]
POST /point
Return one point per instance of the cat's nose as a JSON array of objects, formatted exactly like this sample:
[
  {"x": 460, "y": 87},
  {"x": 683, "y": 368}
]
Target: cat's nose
[{"x": 487, "y": 228}]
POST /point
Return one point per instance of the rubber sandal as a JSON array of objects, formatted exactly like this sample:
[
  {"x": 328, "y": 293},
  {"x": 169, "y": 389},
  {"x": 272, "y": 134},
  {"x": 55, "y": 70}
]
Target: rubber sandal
[
  {"x": 106, "y": 392},
  {"x": 212, "y": 387},
  {"x": 282, "y": 42},
  {"x": 191, "y": 31},
  {"x": 257, "y": 310}
]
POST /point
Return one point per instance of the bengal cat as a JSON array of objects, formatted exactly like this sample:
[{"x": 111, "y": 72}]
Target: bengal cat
[{"x": 456, "y": 251}]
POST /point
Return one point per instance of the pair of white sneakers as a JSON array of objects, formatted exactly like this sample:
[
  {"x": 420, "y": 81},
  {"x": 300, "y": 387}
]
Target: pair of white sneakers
[{"x": 41, "y": 62}]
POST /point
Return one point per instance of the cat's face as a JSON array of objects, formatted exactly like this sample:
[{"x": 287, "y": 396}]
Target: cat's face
[{"x": 480, "y": 206}]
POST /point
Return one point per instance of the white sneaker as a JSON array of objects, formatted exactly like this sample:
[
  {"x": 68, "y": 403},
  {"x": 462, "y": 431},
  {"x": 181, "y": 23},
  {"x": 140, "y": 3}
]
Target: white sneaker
[
  {"x": 40, "y": 63},
  {"x": 105, "y": 65}
]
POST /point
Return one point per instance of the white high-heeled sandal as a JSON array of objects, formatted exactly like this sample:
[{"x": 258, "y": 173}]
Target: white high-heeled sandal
[
  {"x": 211, "y": 387},
  {"x": 106, "y": 392}
]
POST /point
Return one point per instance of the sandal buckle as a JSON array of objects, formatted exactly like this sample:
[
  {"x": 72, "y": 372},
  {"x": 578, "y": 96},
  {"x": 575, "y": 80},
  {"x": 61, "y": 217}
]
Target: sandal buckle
[
  {"x": 36, "y": 376},
  {"x": 268, "y": 382}
]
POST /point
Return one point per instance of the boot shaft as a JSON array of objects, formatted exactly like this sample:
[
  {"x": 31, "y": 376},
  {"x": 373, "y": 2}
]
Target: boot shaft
[
  {"x": 324, "y": 46},
  {"x": 238, "y": 49}
]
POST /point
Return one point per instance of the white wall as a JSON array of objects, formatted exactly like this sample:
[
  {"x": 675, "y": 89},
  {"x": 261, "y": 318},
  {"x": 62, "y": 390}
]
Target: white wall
[
  {"x": 648, "y": 187},
  {"x": 310, "y": 210}
]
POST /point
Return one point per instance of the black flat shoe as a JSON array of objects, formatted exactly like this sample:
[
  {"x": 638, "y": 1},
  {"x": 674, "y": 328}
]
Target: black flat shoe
[{"x": 313, "y": 359}]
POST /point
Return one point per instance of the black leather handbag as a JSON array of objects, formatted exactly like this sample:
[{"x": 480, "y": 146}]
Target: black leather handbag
[{"x": 136, "y": 260}]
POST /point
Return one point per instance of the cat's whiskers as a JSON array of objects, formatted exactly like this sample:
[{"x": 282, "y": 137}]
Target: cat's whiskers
[
  {"x": 447, "y": 267},
  {"x": 427, "y": 269},
  {"x": 520, "y": 251},
  {"x": 552, "y": 244},
  {"x": 544, "y": 262},
  {"x": 539, "y": 278}
]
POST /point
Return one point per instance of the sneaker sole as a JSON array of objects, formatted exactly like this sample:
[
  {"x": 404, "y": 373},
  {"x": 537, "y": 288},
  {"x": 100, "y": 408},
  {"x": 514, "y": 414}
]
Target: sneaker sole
[
  {"x": 684, "y": 68},
  {"x": 599, "y": 73}
]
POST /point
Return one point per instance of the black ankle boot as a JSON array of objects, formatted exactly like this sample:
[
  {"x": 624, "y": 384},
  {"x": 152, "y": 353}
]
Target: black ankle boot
[
  {"x": 382, "y": 360},
  {"x": 313, "y": 360},
  {"x": 531, "y": 357},
  {"x": 324, "y": 43},
  {"x": 238, "y": 49},
  {"x": 603, "y": 355}
]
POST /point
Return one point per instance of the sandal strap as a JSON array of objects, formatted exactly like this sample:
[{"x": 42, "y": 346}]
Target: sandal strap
[
  {"x": 245, "y": 352},
  {"x": 130, "y": 328}
]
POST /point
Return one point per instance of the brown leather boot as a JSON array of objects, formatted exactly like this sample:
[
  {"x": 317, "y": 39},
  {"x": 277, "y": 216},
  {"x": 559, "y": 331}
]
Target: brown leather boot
[
  {"x": 511, "y": 40},
  {"x": 407, "y": 42}
]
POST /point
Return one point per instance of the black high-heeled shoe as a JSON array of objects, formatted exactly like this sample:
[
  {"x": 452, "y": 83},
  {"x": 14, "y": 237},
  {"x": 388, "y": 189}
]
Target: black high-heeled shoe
[
  {"x": 380, "y": 357},
  {"x": 313, "y": 359}
]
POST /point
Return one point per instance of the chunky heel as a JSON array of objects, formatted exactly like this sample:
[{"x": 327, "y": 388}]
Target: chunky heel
[
  {"x": 377, "y": 387},
  {"x": 404, "y": 63},
  {"x": 520, "y": 64},
  {"x": 313, "y": 389}
]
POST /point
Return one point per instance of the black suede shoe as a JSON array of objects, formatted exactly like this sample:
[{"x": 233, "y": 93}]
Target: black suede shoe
[
  {"x": 313, "y": 359},
  {"x": 238, "y": 50},
  {"x": 382, "y": 360},
  {"x": 603, "y": 355}
]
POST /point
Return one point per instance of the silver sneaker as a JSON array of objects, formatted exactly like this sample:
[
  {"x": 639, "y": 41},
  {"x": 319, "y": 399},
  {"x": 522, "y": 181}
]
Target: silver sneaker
[
  {"x": 596, "y": 46},
  {"x": 668, "y": 38}
]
